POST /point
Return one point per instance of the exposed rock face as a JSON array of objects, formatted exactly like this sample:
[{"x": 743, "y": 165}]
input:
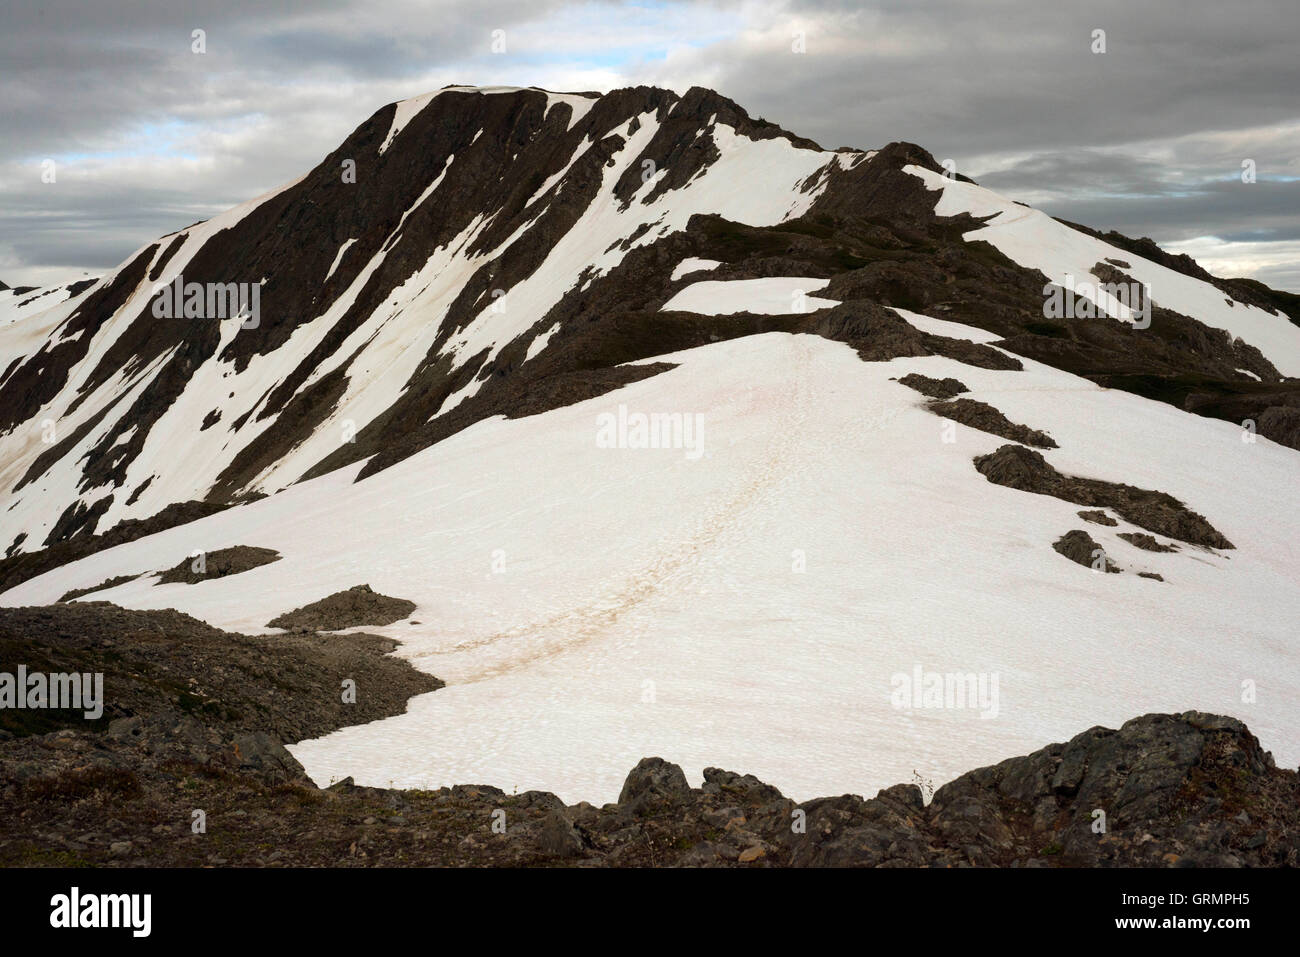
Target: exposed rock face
[
  {"x": 878, "y": 334},
  {"x": 18, "y": 568},
  {"x": 163, "y": 665},
  {"x": 191, "y": 571},
  {"x": 265, "y": 757},
  {"x": 1281, "y": 424},
  {"x": 1189, "y": 790},
  {"x": 559, "y": 838},
  {"x": 1020, "y": 468},
  {"x": 1145, "y": 542},
  {"x": 982, "y": 416},
  {"x": 1079, "y": 548},
  {"x": 1241, "y": 290},
  {"x": 1141, "y": 777},
  {"x": 107, "y": 583},
  {"x": 653, "y": 782},
  {"x": 345, "y": 609},
  {"x": 219, "y": 564},
  {"x": 1097, "y": 517},
  {"x": 945, "y": 388}
]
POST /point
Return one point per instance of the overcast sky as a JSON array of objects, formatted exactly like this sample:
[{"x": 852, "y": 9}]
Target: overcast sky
[{"x": 147, "y": 136}]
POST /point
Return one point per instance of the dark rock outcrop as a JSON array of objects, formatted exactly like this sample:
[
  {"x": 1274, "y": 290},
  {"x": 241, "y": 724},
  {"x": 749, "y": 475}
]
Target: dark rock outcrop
[
  {"x": 1097, "y": 517},
  {"x": 653, "y": 783},
  {"x": 1164, "y": 790},
  {"x": 985, "y": 418},
  {"x": 345, "y": 609},
  {"x": 872, "y": 232},
  {"x": 1147, "y": 543},
  {"x": 945, "y": 388},
  {"x": 165, "y": 665},
  {"x": 18, "y": 568},
  {"x": 1079, "y": 548},
  {"x": 1020, "y": 468},
  {"x": 219, "y": 564},
  {"x": 102, "y": 586}
]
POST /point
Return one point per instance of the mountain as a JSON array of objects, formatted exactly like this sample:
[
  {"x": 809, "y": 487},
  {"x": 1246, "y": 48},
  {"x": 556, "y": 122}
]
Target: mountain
[
  {"x": 682, "y": 434},
  {"x": 19, "y": 302}
]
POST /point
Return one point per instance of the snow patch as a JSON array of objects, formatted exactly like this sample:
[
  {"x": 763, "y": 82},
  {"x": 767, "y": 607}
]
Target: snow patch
[
  {"x": 537, "y": 345},
  {"x": 943, "y": 327},
  {"x": 338, "y": 258},
  {"x": 772, "y": 296},
  {"x": 691, "y": 264},
  {"x": 406, "y": 111}
]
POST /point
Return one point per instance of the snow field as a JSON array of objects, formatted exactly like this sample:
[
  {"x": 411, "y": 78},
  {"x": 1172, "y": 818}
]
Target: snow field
[{"x": 650, "y": 604}]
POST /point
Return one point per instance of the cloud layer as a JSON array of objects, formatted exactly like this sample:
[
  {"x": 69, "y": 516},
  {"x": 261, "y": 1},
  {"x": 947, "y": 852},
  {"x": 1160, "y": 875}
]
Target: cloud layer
[{"x": 1149, "y": 138}]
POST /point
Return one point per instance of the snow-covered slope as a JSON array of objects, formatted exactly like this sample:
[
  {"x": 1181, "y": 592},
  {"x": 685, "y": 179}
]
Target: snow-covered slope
[
  {"x": 23, "y": 302},
  {"x": 1035, "y": 240},
  {"x": 455, "y": 245},
  {"x": 750, "y": 607},
  {"x": 442, "y": 393},
  {"x": 28, "y": 317}
]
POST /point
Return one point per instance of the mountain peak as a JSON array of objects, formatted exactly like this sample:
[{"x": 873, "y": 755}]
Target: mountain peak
[
  {"x": 470, "y": 244},
  {"x": 701, "y": 104},
  {"x": 592, "y": 381}
]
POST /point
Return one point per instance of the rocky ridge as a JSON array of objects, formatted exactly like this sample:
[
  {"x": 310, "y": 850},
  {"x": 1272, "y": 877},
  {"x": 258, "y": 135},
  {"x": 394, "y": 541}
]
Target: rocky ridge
[{"x": 1186, "y": 790}]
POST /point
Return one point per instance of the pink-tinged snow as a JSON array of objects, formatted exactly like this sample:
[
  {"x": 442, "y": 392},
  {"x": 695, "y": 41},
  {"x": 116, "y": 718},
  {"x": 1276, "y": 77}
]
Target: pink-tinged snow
[
  {"x": 946, "y": 327},
  {"x": 1034, "y": 239},
  {"x": 338, "y": 257},
  {"x": 648, "y": 601},
  {"x": 772, "y": 296}
]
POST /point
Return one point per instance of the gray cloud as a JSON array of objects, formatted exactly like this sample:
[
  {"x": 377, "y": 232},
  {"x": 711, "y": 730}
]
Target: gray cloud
[{"x": 1146, "y": 138}]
